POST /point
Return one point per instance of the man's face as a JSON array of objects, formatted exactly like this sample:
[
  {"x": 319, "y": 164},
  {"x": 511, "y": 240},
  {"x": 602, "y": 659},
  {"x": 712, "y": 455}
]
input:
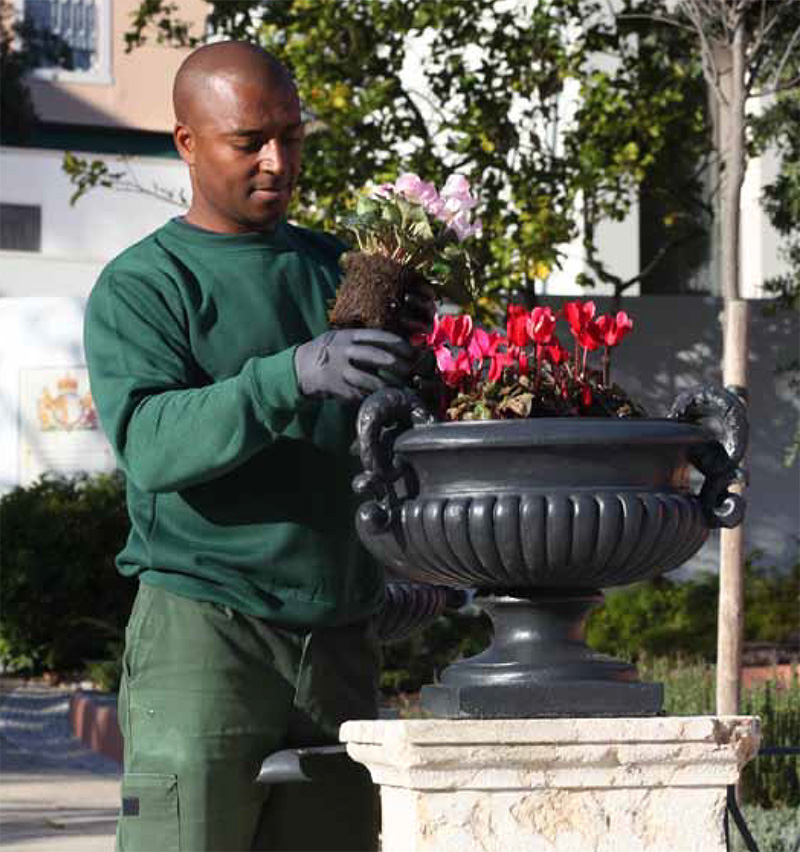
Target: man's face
[{"x": 244, "y": 146}]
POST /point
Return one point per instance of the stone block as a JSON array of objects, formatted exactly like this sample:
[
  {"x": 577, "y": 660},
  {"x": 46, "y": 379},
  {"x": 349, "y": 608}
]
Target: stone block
[{"x": 554, "y": 785}]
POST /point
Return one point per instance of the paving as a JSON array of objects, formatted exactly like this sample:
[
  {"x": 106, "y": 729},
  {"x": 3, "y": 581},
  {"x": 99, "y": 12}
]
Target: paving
[{"x": 55, "y": 794}]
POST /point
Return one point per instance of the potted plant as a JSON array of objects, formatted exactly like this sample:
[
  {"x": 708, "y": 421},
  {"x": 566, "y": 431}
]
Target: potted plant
[{"x": 519, "y": 469}]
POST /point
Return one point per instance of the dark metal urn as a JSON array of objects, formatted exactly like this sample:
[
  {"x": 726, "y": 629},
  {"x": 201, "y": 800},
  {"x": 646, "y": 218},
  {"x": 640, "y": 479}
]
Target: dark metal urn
[{"x": 540, "y": 515}]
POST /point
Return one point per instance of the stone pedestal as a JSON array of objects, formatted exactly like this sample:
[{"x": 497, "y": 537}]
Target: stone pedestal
[{"x": 554, "y": 785}]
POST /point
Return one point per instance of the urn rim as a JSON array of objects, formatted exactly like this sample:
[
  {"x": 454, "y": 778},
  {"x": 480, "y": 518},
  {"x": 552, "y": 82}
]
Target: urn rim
[{"x": 551, "y": 431}]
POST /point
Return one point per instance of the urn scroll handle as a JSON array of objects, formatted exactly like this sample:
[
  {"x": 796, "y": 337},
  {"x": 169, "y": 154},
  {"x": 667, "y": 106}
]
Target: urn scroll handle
[
  {"x": 381, "y": 418},
  {"x": 722, "y": 413}
]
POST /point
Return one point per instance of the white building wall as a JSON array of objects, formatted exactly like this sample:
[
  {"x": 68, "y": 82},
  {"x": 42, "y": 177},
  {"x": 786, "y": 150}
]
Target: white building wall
[
  {"x": 40, "y": 343},
  {"x": 78, "y": 240}
]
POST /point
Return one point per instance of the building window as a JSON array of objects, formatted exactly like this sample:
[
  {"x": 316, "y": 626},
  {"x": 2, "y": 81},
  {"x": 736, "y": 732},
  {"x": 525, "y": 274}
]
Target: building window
[
  {"x": 71, "y": 39},
  {"x": 20, "y": 227}
]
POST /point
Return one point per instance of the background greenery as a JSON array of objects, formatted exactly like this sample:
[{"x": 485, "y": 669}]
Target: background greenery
[
  {"x": 63, "y": 602},
  {"x": 65, "y": 608},
  {"x": 489, "y": 104}
]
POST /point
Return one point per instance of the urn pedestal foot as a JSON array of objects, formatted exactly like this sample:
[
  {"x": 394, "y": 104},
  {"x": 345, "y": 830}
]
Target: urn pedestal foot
[
  {"x": 539, "y": 666},
  {"x": 554, "y": 785},
  {"x": 546, "y": 700}
]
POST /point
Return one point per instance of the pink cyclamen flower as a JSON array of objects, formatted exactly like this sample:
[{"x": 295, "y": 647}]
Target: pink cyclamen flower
[
  {"x": 384, "y": 190},
  {"x": 462, "y": 225},
  {"x": 540, "y": 325},
  {"x": 613, "y": 329},
  {"x": 413, "y": 188},
  {"x": 457, "y": 187},
  {"x": 427, "y": 194},
  {"x": 480, "y": 344},
  {"x": 435, "y": 206},
  {"x": 444, "y": 359},
  {"x": 408, "y": 184},
  {"x": 460, "y": 370}
]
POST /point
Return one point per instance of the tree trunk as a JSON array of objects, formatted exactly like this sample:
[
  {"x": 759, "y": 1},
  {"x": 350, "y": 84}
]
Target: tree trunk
[
  {"x": 730, "y": 129},
  {"x": 730, "y": 628}
]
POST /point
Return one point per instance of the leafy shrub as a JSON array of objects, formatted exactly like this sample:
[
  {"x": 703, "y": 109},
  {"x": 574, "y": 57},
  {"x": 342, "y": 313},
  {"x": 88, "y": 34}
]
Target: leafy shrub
[
  {"x": 768, "y": 782},
  {"x": 663, "y": 617},
  {"x": 421, "y": 658},
  {"x": 773, "y": 782},
  {"x": 106, "y": 674},
  {"x": 773, "y": 830},
  {"x": 63, "y": 601}
]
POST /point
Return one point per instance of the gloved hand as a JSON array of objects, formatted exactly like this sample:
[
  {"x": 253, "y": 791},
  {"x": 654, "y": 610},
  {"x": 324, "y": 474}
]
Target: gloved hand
[
  {"x": 418, "y": 308},
  {"x": 350, "y": 363}
]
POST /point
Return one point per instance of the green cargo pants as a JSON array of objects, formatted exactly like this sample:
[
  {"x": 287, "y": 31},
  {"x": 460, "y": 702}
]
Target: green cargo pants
[{"x": 207, "y": 693}]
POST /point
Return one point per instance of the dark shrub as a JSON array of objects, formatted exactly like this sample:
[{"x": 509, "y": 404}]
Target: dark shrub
[{"x": 63, "y": 602}]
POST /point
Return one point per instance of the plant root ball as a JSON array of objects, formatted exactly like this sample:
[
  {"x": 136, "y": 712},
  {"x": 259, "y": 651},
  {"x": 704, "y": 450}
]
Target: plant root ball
[{"x": 372, "y": 292}]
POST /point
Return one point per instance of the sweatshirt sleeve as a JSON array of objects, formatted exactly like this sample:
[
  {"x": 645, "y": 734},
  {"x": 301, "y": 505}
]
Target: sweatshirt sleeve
[{"x": 169, "y": 427}]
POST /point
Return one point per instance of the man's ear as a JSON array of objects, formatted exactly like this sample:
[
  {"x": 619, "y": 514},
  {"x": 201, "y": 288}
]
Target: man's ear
[{"x": 184, "y": 142}]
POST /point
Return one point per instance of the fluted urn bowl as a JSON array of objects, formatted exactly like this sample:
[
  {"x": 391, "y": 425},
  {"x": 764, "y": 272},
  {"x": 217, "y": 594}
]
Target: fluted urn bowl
[{"x": 539, "y": 515}]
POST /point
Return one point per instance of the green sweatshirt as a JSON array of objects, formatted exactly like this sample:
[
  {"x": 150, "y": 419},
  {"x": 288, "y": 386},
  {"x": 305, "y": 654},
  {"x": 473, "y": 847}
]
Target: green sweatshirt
[{"x": 238, "y": 487}]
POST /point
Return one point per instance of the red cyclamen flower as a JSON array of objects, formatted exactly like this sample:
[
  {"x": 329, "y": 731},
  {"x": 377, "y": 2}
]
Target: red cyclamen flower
[
  {"x": 540, "y": 325},
  {"x": 437, "y": 338},
  {"x": 613, "y": 329},
  {"x": 580, "y": 316},
  {"x": 555, "y": 352},
  {"x": 480, "y": 344},
  {"x": 500, "y": 361},
  {"x": 516, "y": 325},
  {"x": 458, "y": 329}
]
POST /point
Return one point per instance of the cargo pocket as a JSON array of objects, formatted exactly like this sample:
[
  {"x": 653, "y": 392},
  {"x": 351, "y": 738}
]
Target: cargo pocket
[{"x": 148, "y": 819}]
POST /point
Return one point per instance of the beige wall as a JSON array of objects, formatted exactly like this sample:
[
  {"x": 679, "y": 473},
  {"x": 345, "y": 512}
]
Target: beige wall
[{"x": 139, "y": 96}]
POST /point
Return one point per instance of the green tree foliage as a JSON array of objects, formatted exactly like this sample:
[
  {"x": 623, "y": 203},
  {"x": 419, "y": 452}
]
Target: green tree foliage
[
  {"x": 16, "y": 105},
  {"x": 663, "y": 617},
  {"x": 63, "y": 601},
  {"x": 23, "y": 48},
  {"x": 421, "y": 658},
  {"x": 490, "y": 103}
]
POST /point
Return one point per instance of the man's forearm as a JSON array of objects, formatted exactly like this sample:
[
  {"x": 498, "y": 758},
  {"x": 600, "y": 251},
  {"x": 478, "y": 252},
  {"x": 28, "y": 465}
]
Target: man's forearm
[{"x": 177, "y": 438}]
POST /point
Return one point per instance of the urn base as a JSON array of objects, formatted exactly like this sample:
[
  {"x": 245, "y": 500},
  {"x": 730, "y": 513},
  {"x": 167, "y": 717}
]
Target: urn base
[
  {"x": 538, "y": 665},
  {"x": 546, "y": 700}
]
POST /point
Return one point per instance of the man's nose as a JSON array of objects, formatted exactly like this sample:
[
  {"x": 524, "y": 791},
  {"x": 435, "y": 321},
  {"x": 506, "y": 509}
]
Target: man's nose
[{"x": 272, "y": 157}]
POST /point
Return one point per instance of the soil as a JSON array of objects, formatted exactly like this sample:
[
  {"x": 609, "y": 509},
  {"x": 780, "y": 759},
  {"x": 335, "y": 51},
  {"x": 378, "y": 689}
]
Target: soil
[{"x": 372, "y": 292}]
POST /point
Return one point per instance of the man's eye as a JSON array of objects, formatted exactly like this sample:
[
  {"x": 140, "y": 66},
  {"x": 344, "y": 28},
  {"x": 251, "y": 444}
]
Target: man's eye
[{"x": 247, "y": 145}]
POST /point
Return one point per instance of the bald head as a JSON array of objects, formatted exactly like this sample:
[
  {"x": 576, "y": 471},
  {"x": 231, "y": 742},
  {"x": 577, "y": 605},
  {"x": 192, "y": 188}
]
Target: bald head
[
  {"x": 240, "y": 130},
  {"x": 218, "y": 65}
]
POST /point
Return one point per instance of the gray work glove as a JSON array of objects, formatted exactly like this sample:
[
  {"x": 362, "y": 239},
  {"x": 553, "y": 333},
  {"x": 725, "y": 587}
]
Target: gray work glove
[
  {"x": 351, "y": 363},
  {"x": 418, "y": 308}
]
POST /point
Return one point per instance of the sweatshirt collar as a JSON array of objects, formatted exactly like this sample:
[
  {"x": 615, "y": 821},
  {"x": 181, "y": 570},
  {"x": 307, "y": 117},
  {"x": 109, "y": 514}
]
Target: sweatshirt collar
[{"x": 277, "y": 237}]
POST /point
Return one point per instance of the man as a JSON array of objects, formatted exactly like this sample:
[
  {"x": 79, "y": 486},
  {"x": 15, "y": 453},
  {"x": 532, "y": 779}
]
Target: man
[{"x": 230, "y": 405}]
